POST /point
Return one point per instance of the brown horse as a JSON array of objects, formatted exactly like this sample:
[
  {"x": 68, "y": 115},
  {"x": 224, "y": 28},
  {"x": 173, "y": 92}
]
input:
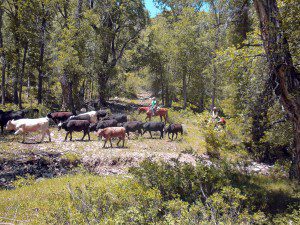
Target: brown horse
[
  {"x": 162, "y": 112},
  {"x": 143, "y": 109}
]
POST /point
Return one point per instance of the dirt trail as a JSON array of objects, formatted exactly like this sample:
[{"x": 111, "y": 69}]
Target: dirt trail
[{"x": 59, "y": 157}]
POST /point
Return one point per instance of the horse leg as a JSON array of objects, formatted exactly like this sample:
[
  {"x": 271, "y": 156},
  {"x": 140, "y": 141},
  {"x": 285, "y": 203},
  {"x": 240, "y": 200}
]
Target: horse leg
[
  {"x": 172, "y": 136},
  {"x": 176, "y": 135},
  {"x": 88, "y": 133},
  {"x": 169, "y": 135},
  {"x": 161, "y": 134},
  {"x": 150, "y": 133},
  {"x": 70, "y": 135},
  {"x": 128, "y": 135}
]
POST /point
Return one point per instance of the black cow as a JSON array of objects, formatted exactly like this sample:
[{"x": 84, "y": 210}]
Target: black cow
[
  {"x": 58, "y": 117},
  {"x": 103, "y": 124},
  {"x": 10, "y": 115},
  {"x": 101, "y": 114},
  {"x": 31, "y": 112},
  {"x": 133, "y": 126},
  {"x": 154, "y": 126},
  {"x": 81, "y": 117},
  {"x": 121, "y": 118},
  {"x": 76, "y": 125},
  {"x": 174, "y": 129}
]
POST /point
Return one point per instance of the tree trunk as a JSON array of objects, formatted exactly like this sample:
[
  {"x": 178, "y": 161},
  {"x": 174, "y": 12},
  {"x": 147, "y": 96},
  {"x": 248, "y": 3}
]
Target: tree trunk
[
  {"x": 71, "y": 99},
  {"x": 214, "y": 83},
  {"x": 102, "y": 82},
  {"x": 201, "y": 102},
  {"x": 215, "y": 75},
  {"x": 41, "y": 60},
  {"x": 65, "y": 91},
  {"x": 184, "y": 90},
  {"x": 3, "y": 56},
  {"x": 16, "y": 28},
  {"x": 22, "y": 74},
  {"x": 16, "y": 75},
  {"x": 162, "y": 89},
  {"x": 91, "y": 4},
  {"x": 28, "y": 86},
  {"x": 285, "y": 77}
]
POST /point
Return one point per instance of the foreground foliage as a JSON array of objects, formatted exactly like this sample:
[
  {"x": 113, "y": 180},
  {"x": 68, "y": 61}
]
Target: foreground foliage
[{"x": 159, "y": 193}]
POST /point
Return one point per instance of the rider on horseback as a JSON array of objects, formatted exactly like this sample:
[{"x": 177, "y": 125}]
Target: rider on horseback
[{"x": 153, "y": 106}]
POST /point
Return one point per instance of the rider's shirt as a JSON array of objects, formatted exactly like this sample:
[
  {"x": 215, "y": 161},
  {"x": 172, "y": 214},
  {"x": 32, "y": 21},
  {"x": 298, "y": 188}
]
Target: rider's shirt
[{"x": 153, "y": 103}]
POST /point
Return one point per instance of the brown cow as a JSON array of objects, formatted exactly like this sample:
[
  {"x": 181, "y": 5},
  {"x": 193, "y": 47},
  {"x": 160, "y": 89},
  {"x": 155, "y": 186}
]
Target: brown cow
[{"x": 111, "y": 132}]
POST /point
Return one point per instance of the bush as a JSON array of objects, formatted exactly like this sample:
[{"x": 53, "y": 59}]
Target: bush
[{"x": 176, "y": 180}]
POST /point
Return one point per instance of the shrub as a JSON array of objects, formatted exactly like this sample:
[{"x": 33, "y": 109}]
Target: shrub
[{"x": 177, "y": 180}]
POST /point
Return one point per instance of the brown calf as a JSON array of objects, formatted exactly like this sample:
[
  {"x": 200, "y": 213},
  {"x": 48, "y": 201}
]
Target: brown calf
[{"x": 111, "y": 132}]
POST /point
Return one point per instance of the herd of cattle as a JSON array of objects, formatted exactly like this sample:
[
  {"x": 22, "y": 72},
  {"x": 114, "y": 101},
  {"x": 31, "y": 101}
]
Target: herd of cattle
[{"x": 104, "y": 125}]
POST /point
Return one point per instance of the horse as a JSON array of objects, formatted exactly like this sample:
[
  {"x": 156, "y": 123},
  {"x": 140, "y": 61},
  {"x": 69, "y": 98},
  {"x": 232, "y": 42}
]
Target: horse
[
  {"x": 143, "y": 109},
  {"x": 162, "y": 112}
]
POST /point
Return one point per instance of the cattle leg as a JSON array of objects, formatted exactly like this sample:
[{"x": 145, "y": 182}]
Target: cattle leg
[
  {"x": 84, "y": 133},
  {"x": 123, "y": 141},
  {"x": 169, "y": 135},
  {"x": 143, "y": 132},
  {"x": 88, "y": 133},
  {"x": 176, "y": 135},
  {"x": 48, "y": 132},
  {"x": 160, "y": 118},
  {"x": 70, "y": 135},
  {"x": 150, "y": 133},
  {"x": 104, "y": 143},
  {"x": 110, "y": 143},
  {"x": 2, "y": 126},
  {"x": 172, "y": 136},
  {"x": 43, "y": 135},
  {"x": 128, "y": 135},
  {"x": 66, "y": 136},
  {"x": 161, "y": 134}
]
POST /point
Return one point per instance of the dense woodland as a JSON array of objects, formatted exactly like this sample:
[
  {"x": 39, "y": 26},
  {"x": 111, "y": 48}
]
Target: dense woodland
[{"x": 240, "y": 56}]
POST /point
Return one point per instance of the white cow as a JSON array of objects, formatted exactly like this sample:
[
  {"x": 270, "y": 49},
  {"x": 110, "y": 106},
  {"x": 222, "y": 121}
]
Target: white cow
[
  {"x": 93, "y": 115},
  {"x": 25, "y": 126}
]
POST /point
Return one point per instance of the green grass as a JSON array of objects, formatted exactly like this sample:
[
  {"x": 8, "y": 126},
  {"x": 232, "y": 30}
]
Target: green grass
[{"x": 50, "y": 199}]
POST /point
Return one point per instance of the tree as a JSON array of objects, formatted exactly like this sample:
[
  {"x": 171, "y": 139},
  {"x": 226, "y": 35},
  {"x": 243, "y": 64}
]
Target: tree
[
  {"x": 118, "y": 26},
  {"x": 2, "y": 54},
  {"x": 284, "y": 76}
]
